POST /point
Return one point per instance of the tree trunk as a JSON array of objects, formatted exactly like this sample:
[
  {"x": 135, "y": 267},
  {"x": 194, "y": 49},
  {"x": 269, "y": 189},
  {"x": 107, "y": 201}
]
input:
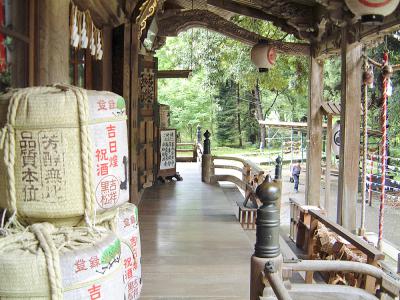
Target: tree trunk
[
  {"x": 238, "y": 116},
  {"x": 259, "y": 115}
]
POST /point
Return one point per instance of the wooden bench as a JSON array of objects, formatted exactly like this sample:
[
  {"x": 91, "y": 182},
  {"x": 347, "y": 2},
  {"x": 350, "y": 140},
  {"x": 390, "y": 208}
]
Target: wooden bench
[{"x": 372, "y": 254}]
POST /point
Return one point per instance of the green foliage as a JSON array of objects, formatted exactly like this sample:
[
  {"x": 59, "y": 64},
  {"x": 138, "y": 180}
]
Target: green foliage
[
  {"x": 215, "y": 60},
  {"x": 332, "y": 70},
  {"x": 226, "y": 114},
  {"x": 393, "y": 45},
  {"x": 190, "y": 103}
]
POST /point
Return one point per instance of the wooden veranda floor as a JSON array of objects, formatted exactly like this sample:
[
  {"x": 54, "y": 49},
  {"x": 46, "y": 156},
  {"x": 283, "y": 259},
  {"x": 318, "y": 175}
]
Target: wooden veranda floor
[{"x": 192, "y": 245}]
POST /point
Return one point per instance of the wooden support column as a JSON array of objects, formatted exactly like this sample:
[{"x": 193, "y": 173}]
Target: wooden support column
[
  {"x": 329, "y": 137},
  {"x": 349, "y": 132},
  {"x": 134, "y": 113},
  {"x": 32, "y": 51},
  {"x": 53, "y": 50},
  {"x": 106, "y": 62},
  {"x": 314, "y": 120}
]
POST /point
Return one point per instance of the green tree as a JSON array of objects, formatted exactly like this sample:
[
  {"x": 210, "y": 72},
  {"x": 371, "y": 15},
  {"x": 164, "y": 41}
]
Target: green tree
[
  {"x": 216, "y": 59},
  {"x": 226, "y": 114}
]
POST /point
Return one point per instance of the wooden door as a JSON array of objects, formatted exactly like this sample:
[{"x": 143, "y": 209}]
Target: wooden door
[
  {"x": 147, "y": 122},
  {"x": 134, "y": 77}
]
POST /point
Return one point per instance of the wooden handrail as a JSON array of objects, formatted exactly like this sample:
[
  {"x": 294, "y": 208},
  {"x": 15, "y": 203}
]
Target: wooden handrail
[
  {"x": 228, "y": 167},
  {"x": 193, "y": 150},
  {"x": 254, "y": 167},
  {"x": 361, "y": 245},
  {"x": 186, "y": 144},
  {"x": 231, "y": 178},
  {"x": 252, "y": 175}
]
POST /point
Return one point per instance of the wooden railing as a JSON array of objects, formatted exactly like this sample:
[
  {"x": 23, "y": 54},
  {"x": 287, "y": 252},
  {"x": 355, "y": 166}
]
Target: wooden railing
[
  {"x": 355, "y": 245},
  {"x": 186, "y": 148},
  {"x": 372, "y": 282},
  {"x": 389, "y": 285},
  {"x": 252, "y": 175}
]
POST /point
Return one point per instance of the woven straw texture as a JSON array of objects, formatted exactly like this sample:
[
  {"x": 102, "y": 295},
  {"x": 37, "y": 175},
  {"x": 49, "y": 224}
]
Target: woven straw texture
[
  {"x": 45, "y": 262},
  {"x": 125, "y": 224},
  {"x": 48, "y": 173}
]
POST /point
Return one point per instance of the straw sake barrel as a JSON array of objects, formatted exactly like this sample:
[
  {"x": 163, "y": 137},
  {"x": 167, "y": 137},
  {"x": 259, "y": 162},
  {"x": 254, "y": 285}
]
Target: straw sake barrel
[
  {"x": 125, "y": 224},
  {"x": 63, "y": 153},
  {"x": 45, "y": 262}
]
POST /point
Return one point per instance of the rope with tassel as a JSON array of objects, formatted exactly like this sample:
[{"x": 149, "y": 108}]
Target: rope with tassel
[{"x": 386, "y": 72}]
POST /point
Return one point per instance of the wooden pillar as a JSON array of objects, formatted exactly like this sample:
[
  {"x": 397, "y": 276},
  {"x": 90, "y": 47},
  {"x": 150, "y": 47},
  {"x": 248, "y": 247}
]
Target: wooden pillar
[
  {"x": 314, "y": 120},
  {"x": 134, "y": 112},
  {"x": 102, "y": 69},
  {"x": 53, "y": 48},
  {"x": 32, "y": 51},
  {"x": 329, "y": 137},
  {"x": 349, "y": 132}
]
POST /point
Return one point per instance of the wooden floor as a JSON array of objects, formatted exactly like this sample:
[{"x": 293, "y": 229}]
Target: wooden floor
[{"x": 192, "y": 245}]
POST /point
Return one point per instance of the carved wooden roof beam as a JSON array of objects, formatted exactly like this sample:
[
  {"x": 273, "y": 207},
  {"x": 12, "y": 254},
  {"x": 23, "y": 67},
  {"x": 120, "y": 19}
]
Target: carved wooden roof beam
[
  {"x": 296, "y": 15},
  {"x": 174, "y": 22},
  {"x": 252, "y": 12},
  {"x": 108, "y": 12}
]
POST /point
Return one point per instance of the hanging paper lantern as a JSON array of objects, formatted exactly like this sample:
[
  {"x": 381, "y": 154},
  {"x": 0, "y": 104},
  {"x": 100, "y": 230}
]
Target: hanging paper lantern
[
  {"x": 263, "y": 56},
  {"x": 372, "y": 11}
]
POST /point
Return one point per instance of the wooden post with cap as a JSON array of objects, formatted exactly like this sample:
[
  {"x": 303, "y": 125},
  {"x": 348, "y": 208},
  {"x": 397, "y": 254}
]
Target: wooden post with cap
[{"x": 267, "y": 246}]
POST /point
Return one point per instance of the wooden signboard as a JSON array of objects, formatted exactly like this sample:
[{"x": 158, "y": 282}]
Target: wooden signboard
[{"x": 167, "y": 152}]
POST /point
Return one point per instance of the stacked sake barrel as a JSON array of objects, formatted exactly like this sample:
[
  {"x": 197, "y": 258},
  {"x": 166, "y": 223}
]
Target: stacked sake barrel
[{"x": 71, "y": 232}]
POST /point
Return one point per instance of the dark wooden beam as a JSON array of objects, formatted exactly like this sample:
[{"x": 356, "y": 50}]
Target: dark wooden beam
[
  {"x": 161, "y": 74},
  {"x": 368, "y": 35},
  {"x": 298, "y": 15},
  {"x": 129, "y": 6},
  {"x": 174, "y": 22},
  {"x": 253, "y": 13},
  {"x": 286, "y": 9},
  {"x": 14, "y": 34},
  {"x": 133, "y": 118},
  {"x": 104, "y": 13}
]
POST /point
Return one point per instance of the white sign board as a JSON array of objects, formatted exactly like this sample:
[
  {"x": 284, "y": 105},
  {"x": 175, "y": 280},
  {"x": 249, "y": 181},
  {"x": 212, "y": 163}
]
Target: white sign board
[{"x": 167, "y": 149}]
